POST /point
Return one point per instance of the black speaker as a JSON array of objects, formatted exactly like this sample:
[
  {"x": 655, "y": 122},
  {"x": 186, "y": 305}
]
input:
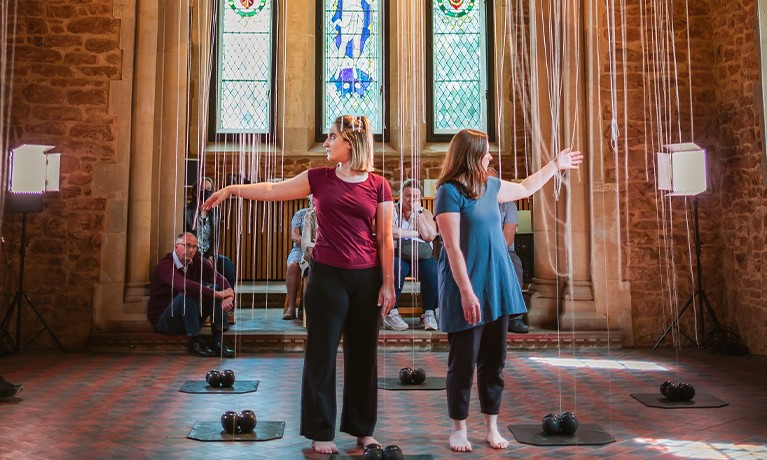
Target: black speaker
[{"x": 524, "y": 246}]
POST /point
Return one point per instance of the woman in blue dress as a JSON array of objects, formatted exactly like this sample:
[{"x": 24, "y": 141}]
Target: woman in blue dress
[{"x": 478, "y": 289}]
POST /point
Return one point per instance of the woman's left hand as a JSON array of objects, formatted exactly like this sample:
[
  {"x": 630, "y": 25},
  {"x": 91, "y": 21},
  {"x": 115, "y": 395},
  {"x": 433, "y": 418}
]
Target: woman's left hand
[
  {"x": 568, "y": 159},
  {"x": 386, "y": 298}
]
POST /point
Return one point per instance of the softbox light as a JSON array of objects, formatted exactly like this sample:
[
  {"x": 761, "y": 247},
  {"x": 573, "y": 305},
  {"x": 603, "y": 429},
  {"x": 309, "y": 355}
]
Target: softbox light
[{"x": 682, "y": 169}]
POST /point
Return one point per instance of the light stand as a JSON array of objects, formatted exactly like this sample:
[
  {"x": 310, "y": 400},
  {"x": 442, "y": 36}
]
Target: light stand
[
  {"x": 682, "y": 172},
  {"x": 700, "y": 293},
  {"x": 33, "y": 172},
  {"x": 18, "y": 299}
]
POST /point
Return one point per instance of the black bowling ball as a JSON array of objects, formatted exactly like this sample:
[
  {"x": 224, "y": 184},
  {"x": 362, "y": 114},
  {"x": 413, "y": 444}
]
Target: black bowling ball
[
  {"x": 229, "y": 421},
  {"x": 374, "y": 452},
  {"x": 672, "y": 392},
  {"x": 227, "y": 378},
  {"x": 664, "y": 387},
  {"x": 419, "y": 376},
  {"x": 550, "y": 424},
  {"x": 406, "y": 375},
  {"x": 247, "y": 421},
  {"x": 393, "y": 453},
  {"x": 686, "y": 391},
  {"x": 213, "y": 377},
  {"x": 568, "y": 424}
]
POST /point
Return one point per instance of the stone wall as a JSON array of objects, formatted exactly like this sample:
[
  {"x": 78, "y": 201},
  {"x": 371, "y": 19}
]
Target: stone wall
[
  {"x": 657, "y": 232},
  {"x": 66, "y": 54},
  {"x": 742, "y": 165}
]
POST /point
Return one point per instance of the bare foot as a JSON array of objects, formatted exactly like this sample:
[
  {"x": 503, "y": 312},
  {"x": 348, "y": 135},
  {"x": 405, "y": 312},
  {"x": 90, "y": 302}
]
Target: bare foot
[
  {"x": 492, "y": 436},
  {"x": 324, "y": 447},
  {"x": 363, "y": 441},
  {"x": 459, "y": 439},
  {"x": 496, "y": 441}
]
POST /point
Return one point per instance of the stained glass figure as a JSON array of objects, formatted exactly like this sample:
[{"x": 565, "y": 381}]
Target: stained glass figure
[{"x": 352, "y": 61}]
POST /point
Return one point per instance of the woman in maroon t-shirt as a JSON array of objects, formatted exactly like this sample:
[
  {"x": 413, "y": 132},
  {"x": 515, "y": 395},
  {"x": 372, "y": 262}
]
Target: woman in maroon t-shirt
[{"x": 351, "y": 274}]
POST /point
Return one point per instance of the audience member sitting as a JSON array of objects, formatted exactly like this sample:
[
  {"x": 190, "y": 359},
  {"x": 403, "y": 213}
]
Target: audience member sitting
[
  {"x": 185, "y": 290},
  {"x": 509, "y": 224},
  {"x": 205, "y": 225},
  {"x": 293, "y": 278},
  {"x": 413, "y": 230},
  {"x": 9, "y": 390},
  {"x": 308, "y": 240}
]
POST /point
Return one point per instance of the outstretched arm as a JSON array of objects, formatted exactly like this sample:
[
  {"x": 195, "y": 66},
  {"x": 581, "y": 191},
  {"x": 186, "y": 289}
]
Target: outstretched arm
[
  {"x": 512, "y": 191},
  {"x": 290, "y": 189}
]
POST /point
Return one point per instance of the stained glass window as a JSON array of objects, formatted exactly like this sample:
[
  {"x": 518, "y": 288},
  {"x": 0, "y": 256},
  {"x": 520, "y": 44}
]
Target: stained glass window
[
  {"x": 352, "y": 70},
  {"x": 244, "y": 79},
  {"x": 459, "y": 66}
]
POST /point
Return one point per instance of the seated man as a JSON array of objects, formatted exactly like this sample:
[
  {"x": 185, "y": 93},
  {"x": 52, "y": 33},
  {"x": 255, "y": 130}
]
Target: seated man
[
  {"x": 414, "y": 229},
  {"x": 308, "y": 240},
  {"x": 293, "y": 278},
  {"x": 185, "y": 290}
]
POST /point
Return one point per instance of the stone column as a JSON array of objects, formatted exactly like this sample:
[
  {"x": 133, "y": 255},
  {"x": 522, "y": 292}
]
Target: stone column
[
  {"x": 545, "y": 288},
  {"x": 579, "y": 309}
]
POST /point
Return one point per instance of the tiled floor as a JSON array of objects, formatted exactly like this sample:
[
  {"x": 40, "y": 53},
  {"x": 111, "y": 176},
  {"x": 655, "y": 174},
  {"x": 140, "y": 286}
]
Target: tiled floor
[{"x": 128, "y": 405}]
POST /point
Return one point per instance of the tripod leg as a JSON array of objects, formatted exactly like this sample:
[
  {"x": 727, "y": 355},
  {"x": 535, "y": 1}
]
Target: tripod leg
[
  {"x": 7, "y": 320},
  {"x": 717, "y": 326},
  {"x": 45, "y": 324},
  {"x": 671, "y": 325}
]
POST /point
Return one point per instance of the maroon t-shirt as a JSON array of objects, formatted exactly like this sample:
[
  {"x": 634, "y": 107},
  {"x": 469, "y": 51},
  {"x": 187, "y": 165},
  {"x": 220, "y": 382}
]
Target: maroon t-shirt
[{"x": 345, "y": 214}]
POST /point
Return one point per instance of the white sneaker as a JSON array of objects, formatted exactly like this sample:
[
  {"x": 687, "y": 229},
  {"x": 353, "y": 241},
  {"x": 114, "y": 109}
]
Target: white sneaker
[
  {"x": 429, "y": 321},
  {"x": 394, "y": 321}
]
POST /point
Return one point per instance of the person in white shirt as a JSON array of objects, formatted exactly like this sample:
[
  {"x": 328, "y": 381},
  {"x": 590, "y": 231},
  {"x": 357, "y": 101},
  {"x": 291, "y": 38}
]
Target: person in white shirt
[{"x": 414, "y": 229}]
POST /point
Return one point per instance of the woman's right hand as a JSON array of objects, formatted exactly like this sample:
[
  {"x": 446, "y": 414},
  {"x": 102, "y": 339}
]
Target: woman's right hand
[
  {"x": 471, "y": 308},
  {"x": 216, "y": 199}
]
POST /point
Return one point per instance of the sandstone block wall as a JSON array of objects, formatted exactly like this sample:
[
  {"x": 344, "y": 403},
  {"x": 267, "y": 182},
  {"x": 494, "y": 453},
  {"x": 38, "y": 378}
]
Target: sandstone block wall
[{"x": 66, "y": 53}]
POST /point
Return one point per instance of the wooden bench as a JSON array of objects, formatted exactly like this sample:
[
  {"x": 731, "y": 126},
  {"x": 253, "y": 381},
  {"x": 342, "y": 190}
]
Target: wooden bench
[{"x": 256, "y": 236}]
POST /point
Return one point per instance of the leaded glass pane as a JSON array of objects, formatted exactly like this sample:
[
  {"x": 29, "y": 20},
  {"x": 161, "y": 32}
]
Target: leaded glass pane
[
  {"x": 244, "y": 66},
  {"x": 352, "y": 71},
  {"x": 459, "y": 65}
]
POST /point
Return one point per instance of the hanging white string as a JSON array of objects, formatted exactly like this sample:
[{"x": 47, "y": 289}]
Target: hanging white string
[{"x": 8, "y": 24}]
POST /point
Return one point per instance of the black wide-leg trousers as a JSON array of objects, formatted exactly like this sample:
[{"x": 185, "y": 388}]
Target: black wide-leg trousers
[
  {"x": 484, "y": 345},
  {"x": 340, "y": 303}
]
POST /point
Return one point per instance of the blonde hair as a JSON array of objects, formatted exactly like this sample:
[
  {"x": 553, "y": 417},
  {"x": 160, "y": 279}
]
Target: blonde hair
[
  {"x": 357, "y": 131},
  {"x": 463, "y": 162}
]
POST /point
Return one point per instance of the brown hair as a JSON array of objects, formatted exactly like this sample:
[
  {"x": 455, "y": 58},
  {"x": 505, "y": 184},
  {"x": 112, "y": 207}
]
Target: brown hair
[
  {"x": 357, "y": 131},
  {"x": 463, "y": 162}
]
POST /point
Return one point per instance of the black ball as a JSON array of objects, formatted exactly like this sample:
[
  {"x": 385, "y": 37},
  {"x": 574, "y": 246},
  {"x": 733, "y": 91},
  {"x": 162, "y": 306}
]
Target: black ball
[
  {"x": 550, "y": 424},
  {"x": 247, "y": 421},
  {"x": 419, "y": 376},
  {"x": 568, "y": 424},
  {"x": 229, "y": 421},
  {"x": 672, "y": 392},
  {"x": 664, "y": 387},
  {"x": 406, "y": 375},
  {"x": 686, "y": 391},
  {"x": 393, "y": 453},
  {"x": 213, "y": 377},
  {"x": 374, "y": 452},
  {"x": 227, "y": 378}
]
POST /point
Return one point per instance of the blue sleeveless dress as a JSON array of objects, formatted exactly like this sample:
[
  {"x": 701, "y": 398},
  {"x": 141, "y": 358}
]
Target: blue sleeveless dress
[{"x": 487, "y": 259}]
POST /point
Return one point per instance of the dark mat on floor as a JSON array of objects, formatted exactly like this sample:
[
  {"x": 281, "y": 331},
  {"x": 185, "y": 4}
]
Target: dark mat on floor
[
  {"x": 702, "y": 400},
  {"x": 587, "y": 434},
  {"x": 393, "y": 383},
  {"x": 201, "y": 386},
  {"x": 361, "y": 457},
  {"x": 212, "y": 431}
]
